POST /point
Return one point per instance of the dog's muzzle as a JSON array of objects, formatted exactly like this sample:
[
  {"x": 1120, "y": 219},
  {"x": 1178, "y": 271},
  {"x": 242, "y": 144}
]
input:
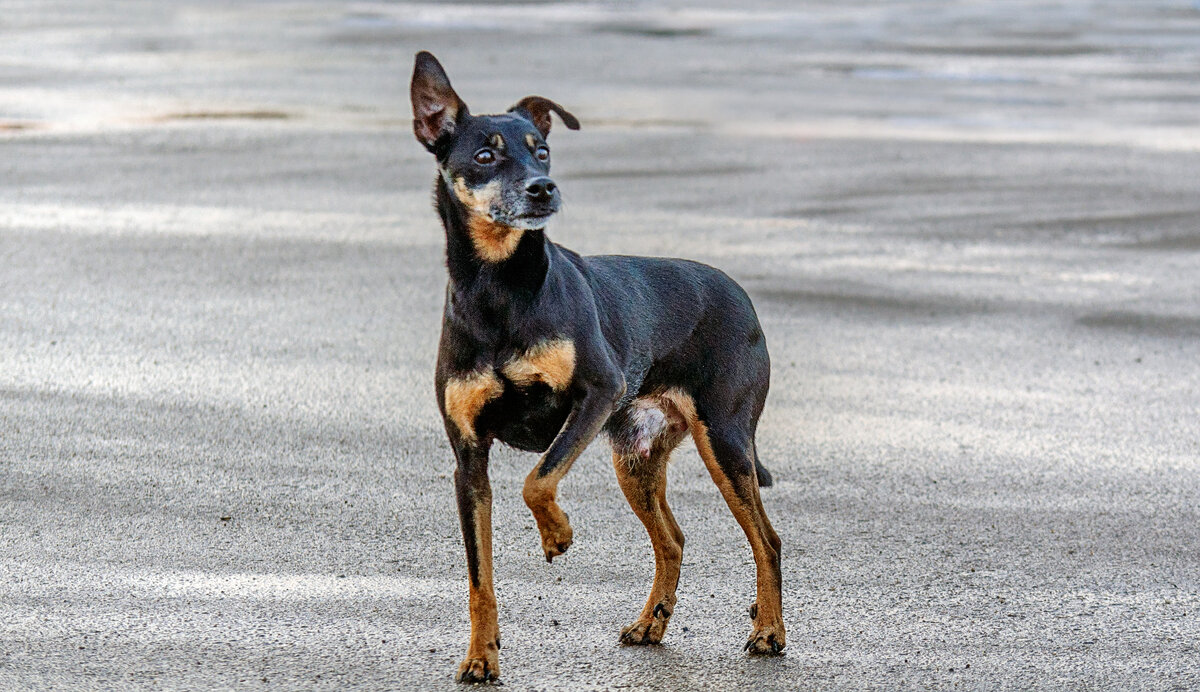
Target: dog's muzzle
[{"x": 540, "y": 203}]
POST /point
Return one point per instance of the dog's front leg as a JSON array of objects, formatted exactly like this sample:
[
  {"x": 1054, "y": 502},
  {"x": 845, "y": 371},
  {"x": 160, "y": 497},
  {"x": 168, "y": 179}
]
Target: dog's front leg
[
  {"x": 474, "y": 493},
  {"x": 582, "y": 426}
]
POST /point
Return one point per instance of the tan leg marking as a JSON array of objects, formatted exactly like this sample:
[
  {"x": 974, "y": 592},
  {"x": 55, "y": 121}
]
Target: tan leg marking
[
  {"x": 494, "y": 242},
  {"x": 644, "y": 482},
  {"x": 466, "y": 397},
  {"x": 483, "y": 652},
  {"x": 768, "y": 635},
  {"x": 642, "y": 473},
  {"x": 550, "y": 362}
]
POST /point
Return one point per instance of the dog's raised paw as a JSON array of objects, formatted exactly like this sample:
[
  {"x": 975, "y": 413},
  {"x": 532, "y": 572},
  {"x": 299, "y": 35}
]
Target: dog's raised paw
[
  {"x": 478, "y": 669},
  {"x": 765, "y": 641},
  {"x": 556, "y": 550},
  {"x": 556, "y": 540}
]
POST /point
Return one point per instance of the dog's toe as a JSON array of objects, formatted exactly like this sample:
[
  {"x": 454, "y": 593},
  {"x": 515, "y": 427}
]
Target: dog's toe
[
  {"x": 647, "y": 630},
  {"x": 641, "y": 633},
  {"x": 765, "y": 641},
  {"x": 477, "y": 669},
  {"x": 556, "y": 549},
  {"x": 555, "y": 541}
]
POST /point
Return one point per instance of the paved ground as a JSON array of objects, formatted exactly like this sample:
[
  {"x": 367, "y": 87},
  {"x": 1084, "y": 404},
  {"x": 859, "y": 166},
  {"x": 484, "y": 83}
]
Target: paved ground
[{"x": 972, "y": 231}]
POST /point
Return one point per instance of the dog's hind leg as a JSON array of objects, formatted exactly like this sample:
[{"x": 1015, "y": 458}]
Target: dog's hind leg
[
  {"x": 728, "y": 452},
  {"x": 652, "y": 426},
  {"x": 644, "y": 482}
]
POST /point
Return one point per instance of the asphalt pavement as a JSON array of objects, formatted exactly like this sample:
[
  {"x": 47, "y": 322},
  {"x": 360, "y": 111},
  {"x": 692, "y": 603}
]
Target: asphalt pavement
[{"x": 971, "y": 231}]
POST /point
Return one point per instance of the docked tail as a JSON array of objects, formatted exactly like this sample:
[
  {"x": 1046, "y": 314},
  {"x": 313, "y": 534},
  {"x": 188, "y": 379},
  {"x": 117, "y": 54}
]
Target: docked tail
[{"x": 764, "y": 476}]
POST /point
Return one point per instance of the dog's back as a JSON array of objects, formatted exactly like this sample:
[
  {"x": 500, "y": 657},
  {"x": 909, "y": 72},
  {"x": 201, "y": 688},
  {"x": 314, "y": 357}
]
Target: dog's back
[{"x": 680, "y": 325}]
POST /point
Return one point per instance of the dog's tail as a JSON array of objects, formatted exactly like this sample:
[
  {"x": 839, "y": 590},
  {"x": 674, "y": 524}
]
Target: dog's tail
[{"x": 764, "y": 476}]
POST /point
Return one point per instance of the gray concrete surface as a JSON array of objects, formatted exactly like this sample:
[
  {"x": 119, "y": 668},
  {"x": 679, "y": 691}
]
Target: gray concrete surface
[{"x": 972, "y": 231}]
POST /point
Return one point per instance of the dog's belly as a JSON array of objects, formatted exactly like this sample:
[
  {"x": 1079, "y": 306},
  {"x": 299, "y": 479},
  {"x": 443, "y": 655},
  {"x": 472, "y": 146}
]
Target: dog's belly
[
  {"x": 527, "y": 417},
  {"x": 651, "y": 424}
]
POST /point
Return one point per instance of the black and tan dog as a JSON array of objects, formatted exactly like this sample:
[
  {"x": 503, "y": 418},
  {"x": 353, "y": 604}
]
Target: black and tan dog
[{"x": 542, "y": 349}]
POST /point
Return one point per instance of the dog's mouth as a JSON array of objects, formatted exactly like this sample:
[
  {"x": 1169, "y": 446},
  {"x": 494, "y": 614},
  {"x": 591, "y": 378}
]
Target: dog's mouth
[
  {"x": 526, "y": 219},
  {"x": 530, "y": 221},
  {"x": 513, "y": 210}
]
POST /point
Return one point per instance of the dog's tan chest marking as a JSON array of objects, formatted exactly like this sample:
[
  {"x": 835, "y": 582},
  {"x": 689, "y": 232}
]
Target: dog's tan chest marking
[
  {"x": 493, "y": 242},
  {"x": 549, "y": 362},
  {"x": 466, "y": 396}
]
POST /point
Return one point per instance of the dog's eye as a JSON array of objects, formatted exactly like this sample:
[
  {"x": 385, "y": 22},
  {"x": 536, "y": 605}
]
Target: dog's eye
[
  {"x": 542, "y": 154},
  {"x": 485, "y": 156}
]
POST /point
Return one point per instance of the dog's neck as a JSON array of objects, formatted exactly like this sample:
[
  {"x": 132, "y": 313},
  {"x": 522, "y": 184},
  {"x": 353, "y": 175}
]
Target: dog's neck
[{"x": 522, "y": 270}]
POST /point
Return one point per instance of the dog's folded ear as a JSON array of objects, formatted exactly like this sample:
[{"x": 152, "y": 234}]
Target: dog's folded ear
[
  {"x": 538, "y": 109},
  {"x": 436, "y": 108}
]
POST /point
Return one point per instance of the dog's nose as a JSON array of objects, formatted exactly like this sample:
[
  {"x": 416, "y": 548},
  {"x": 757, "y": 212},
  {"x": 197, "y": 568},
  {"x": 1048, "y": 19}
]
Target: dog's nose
[{"x": 540, "y": 189}]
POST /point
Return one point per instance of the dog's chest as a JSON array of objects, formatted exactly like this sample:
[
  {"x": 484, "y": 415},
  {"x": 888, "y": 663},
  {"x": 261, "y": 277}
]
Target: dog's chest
[
  {"x": 521, "y": 400},
  {"x": 550, "y": 362}
]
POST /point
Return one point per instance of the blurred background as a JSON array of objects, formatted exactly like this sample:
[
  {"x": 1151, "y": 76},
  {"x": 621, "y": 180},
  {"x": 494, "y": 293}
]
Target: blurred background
[{"x": 971, "y": 230}]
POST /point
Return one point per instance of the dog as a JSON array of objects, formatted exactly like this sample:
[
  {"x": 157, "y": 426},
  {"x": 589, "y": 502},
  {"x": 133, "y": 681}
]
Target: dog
[{"x": 542, "y": 349}]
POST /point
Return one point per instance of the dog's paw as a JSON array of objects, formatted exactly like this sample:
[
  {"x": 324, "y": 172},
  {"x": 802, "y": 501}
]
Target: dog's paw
[
  {"x": 646, "y": 631},
  {"x": 556, "y": 538},
  {"x": 768, "y": 640},
  {"x": 478, "y": 669}
]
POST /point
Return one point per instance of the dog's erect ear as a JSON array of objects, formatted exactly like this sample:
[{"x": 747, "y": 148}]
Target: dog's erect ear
[
  {"x": 436, "y": 108},
  {"x": 539, "y": 109}
]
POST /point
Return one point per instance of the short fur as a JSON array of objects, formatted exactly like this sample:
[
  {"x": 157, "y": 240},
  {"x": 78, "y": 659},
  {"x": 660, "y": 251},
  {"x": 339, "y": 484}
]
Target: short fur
[{"x": 542, "y": 348}]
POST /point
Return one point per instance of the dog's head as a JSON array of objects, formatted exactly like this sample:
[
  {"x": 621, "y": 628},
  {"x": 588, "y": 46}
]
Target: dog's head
[{"x": 498, "y": 166}]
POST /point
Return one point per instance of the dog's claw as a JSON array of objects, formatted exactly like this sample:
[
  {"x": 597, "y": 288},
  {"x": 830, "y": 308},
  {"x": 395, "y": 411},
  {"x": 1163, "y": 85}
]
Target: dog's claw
[
  {"x": 557, "y": 550},
  {"x": 766, "y": 641},
  {"x": 637, "y": 636},
  {"x": 650, "y": 630},
  {"x": 476, "y": 670},
  {"x": 556, "y": 539}
]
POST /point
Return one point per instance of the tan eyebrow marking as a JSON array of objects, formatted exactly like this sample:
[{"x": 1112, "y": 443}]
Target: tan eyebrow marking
[
  {"x": 530, "y": 141},
  {"x": 496, "y": 141}
]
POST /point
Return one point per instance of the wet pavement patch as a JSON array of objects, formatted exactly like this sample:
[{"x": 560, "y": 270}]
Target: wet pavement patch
[
  {"x": 228, "y": 115},
  {"x": 818, "y": 300},
  {"x": 660, "y": 173},
  {"x": 1143, "y": 323}
]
